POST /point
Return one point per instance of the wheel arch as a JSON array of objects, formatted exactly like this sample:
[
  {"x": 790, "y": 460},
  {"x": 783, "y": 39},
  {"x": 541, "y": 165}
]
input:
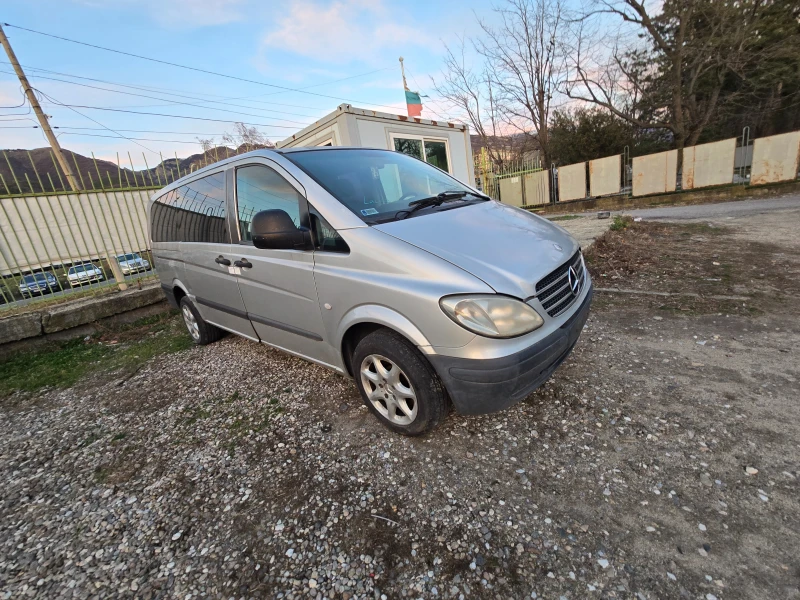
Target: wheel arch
[{"x": 363, "y": 320}]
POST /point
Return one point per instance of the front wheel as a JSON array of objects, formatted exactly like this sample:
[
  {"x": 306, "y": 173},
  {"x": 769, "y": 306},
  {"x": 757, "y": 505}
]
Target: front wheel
[{"x": 398, "y": 384}]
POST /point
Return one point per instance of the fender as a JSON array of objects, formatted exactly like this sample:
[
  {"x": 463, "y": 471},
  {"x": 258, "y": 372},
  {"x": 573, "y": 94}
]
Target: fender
[
  {"x": 382, "y": 315},
  {"x": 169, "y": 292}
]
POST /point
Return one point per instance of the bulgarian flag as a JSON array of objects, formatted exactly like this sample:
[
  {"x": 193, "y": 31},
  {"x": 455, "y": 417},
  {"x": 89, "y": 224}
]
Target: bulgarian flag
[{"x": 414, "y": 104}]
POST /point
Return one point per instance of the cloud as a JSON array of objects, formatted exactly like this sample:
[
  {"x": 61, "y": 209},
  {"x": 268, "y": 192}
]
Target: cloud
[
  {"x": 341, "y": 31},
  {"x": 182, "y": 14}
]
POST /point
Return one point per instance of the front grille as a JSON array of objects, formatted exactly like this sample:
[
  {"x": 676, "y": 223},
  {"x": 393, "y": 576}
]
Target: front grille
[{"x": 554, "y": 291}]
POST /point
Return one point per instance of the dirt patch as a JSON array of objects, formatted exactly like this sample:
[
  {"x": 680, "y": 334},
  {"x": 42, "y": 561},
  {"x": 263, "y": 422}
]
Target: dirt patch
[{"x": 697, "y": 259}]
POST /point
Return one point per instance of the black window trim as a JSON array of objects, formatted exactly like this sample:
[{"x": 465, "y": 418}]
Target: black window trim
[
  {"x": 319, "y": 242},
  {"x": 264, "y": 162},
  {"x": 223, "y": 169}
]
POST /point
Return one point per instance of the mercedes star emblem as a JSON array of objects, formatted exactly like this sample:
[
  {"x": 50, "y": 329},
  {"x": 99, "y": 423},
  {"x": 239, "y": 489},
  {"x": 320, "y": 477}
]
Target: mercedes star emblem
[{"x": 574, "y": 282}]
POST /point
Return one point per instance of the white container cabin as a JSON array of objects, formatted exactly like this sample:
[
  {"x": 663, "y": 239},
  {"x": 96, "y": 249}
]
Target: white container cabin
[{"x": 444, "y": 145}]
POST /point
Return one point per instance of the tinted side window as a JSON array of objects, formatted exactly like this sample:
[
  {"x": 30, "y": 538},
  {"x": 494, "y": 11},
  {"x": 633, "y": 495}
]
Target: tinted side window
[
  {"x": 260, "y": 188},
  {"x": 194, "y": 212},
  {"x": 202, "y": 207},
  {"x": 161, "y": 214},
  {"x": 326, "y": 238}
]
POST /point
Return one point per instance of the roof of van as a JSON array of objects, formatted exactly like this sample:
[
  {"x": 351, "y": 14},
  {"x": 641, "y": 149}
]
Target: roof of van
[{"x": 220, "y": 165}]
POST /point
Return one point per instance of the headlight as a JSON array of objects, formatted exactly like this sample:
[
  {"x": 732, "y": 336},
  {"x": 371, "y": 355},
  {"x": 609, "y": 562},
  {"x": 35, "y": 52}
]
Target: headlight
[{"x": 491, "y": 315}]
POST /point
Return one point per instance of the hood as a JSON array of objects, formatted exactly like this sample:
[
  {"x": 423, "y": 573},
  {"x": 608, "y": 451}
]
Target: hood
[{"x": 508, "y": 248}]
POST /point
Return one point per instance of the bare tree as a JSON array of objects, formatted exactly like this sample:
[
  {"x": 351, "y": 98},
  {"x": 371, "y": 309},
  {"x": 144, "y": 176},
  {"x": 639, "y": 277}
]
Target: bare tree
[
  {"x": 511, "y": 95},
  {"x": 207, "y": 144},
  {"x": 673, "y": 75},
  {"x": 528, "y": 64},
  {"x": 471, "y": 92},
  {"x": 244, "y": 138}
]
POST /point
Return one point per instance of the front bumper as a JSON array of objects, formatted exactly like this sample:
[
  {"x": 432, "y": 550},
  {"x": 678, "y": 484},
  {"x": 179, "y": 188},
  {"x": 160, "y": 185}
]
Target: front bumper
[
  {"x": 480, "y": 386},
  {"x": 85, "y": 280}
]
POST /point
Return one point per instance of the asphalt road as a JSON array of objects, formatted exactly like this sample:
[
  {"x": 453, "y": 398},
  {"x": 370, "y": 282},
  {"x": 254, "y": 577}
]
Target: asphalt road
[{"x": 722, "y": 210}]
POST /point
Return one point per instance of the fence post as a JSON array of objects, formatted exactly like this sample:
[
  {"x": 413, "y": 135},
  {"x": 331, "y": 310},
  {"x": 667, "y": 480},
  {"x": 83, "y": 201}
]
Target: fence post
[
  {"x": 14, "y": 175},
  {"x": 112, "y": 264}
]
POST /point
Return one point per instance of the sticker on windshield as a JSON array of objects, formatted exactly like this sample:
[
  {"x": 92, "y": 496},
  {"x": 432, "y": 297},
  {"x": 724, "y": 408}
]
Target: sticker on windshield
[{"x": 369, "y": 211}]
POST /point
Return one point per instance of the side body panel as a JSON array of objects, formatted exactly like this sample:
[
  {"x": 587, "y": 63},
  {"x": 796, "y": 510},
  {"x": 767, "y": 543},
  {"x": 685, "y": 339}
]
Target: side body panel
[
  {"x": 387, "y": 281},
  {"x": 278, "y": 290}
]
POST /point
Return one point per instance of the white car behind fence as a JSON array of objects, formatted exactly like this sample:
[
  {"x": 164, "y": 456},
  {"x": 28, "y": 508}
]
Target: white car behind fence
[{"x": 84, "y": 273}]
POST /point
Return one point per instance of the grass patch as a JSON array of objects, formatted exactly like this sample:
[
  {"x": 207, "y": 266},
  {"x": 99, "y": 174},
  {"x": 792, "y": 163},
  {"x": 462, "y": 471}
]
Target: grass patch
[
  {"x": 564, "y": 218},
  {"x": 125, "y": 347},
  {"x": 620, "y": 223}
]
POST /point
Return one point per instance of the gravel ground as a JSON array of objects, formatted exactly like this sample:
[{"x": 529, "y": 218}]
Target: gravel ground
[{"x": 661, "y": 461}]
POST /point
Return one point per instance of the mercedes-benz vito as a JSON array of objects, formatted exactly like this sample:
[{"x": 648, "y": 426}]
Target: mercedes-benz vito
[{"x": 376, "y": 265}]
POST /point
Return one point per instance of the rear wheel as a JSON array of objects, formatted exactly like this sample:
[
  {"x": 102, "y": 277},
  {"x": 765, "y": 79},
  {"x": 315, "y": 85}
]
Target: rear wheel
[
  {"x": 202, "y": 333},
  {"x": 398, "y": 384}
]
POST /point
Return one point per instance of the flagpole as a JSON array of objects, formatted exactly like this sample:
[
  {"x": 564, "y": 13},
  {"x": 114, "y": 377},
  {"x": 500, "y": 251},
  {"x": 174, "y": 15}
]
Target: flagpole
[{"x": 403, "y": 71}]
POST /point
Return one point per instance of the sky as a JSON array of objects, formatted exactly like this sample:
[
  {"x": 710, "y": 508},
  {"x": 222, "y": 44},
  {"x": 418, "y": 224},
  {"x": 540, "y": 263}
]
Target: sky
[{"x": 333, "y": 51}]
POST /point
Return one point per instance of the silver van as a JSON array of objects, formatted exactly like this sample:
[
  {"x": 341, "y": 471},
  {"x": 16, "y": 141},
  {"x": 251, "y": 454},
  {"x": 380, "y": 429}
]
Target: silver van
[{"x": 376, "y": 265}]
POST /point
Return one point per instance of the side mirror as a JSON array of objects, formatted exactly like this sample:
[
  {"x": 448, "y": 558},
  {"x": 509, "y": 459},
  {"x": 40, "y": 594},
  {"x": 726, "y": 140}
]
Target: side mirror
[{"x": 275, "y": 230}]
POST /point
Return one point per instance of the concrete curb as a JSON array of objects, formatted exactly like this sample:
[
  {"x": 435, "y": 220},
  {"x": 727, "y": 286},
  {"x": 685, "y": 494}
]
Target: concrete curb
[
  {"x": 689, "y": 197},
  {"x": 75, "y": 314},
  {"x": 19, "y": 327}
]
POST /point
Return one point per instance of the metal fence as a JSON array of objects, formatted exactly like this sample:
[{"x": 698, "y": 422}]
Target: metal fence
[
  {"x": 509, "y": 177},
  {"x": 735, "y": 161},
  {"x": 56, "y": 244}
]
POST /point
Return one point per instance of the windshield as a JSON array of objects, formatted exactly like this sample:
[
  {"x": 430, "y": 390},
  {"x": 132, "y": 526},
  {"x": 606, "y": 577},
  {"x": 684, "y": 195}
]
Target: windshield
[
  {"x": 80, "y": 268},
  {"x": 41, "y": 277},
  {"x": 123, "y": 257},
  {"x": 376, "y": 185}
]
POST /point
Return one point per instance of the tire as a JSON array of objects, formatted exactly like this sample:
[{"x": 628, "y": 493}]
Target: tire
[
  {"x": 202, "y": 333},
  {"x": 414, "y": 413}
]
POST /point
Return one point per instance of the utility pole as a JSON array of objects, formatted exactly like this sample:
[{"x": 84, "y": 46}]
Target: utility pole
[{"x": 62, "y": 161}]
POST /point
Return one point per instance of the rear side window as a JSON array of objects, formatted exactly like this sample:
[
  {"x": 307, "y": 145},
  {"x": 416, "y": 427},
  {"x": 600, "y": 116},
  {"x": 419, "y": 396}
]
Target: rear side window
[
  {"x": 260, "y": 188},
  {"x": 194, "y": 212}
]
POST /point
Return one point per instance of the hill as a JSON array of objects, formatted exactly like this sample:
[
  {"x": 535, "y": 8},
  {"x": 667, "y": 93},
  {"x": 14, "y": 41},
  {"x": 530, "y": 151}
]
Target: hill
[{"x": 26, "y": 171}]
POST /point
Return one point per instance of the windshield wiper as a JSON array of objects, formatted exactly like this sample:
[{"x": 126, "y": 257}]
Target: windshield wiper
[{"x": 436, "y": 200}]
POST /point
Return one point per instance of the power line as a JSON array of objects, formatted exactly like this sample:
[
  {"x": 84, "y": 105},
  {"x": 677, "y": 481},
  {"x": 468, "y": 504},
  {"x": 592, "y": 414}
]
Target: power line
[
  {"x": 170, "y": 116},
  {"x": 206, "y": 71},
  {"x": 169, "y": 90},
  {"x": 157, "y": 90},
  {"x": 319, "y": 84},
  {"x": 20, "y": 105},
  {"x": 95, "y": 87},
  {"x": 93, "y": 120},
  {"x": 142, "y": 130},
  {"x": 129, "y": 138},
  {"x": 67, "y": 128}
]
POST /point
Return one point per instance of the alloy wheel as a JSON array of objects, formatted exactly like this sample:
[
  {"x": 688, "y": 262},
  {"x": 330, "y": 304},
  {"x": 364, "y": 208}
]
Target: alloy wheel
[
  {"x": 389, "y": 389},
  {"x": 191, "y": 322}
]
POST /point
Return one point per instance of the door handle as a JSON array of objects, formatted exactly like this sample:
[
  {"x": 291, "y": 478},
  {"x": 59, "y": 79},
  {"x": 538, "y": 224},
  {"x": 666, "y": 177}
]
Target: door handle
[
  {"x": 243, "y": 264},
  {"x": 221, "y": 260}
]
